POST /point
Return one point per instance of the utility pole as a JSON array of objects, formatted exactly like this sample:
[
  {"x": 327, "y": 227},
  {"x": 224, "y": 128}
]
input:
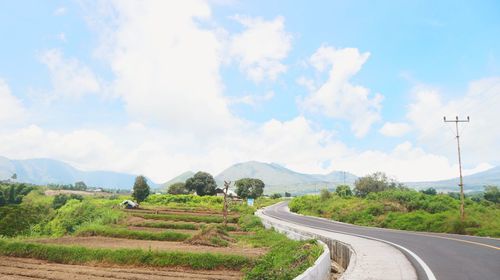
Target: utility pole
[
  {"x": 224, "y": 209},
  {"x": 461, "y": 184}
]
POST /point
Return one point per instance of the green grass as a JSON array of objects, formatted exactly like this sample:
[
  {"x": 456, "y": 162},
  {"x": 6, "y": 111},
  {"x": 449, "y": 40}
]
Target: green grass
[
  {"x": 176, "y": 225},
  {"x": 286, "y": 258},
  {"x": 185, "y": 218},
  {"x": 405, "y": 210},
  {"x": 100, "y": 230},
  {"x": 135, "y": 257}
]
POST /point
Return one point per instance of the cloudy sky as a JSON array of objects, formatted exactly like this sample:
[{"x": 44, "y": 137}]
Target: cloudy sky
[{"x": 161, "y": 87}]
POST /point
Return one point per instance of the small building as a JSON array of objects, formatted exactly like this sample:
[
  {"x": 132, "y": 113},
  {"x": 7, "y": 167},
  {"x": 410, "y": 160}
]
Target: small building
[
  {"x": 129, "y": 204},
  {"x": 230, "y": 193}
]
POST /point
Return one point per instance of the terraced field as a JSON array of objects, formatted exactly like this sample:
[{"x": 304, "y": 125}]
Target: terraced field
[{"x": 186, "y": 222}]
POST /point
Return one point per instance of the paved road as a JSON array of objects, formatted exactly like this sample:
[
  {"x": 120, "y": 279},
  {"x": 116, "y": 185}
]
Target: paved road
[{"x": 449, "y": 256}]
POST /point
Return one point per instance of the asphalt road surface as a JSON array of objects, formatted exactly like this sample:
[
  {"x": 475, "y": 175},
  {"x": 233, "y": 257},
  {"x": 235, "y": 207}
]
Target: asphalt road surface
[{"x": 449, "y": 256}]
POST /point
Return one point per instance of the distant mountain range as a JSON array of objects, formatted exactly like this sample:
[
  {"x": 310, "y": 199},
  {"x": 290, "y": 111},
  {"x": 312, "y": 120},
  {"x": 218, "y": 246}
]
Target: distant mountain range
[
  {"x": 276, "y": 177},
  {"x": 474, "y": 182},
  {"x": 280, "y": 179},
  {"x": 49, "y": 171}
]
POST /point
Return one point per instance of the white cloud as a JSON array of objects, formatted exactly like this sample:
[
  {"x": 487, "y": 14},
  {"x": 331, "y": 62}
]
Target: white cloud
[
  {"x": 261, "y": 47},
  {"x": 12, "y": 110},
  {"x": 60, "y": 11},
  {"x": 479, "y": 138},
  {"x": 254, "y": 100},
  {"x": 166, "y": 65},
  {"x": 397, "y": 129},
  {"x": 339, "y": 99},
  {"x": 69, "y": 77}
]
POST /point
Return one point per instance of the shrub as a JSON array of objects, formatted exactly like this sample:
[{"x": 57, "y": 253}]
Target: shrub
[
  {"x": 100, "y": 230},
  {"x": 325, "y": 194}
]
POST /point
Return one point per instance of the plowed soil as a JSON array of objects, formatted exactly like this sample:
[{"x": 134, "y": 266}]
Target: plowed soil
[
  {"x": 114, "y": 243},
  {"x": 22, "y": 268}
]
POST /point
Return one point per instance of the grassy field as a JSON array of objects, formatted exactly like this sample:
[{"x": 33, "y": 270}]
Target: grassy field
[{"x": 405, "y": 209}]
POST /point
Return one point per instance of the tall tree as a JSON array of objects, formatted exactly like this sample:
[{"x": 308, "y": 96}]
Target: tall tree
[
  {"x": 249, "y": 187},
  {"x": 141, "y": 189},
  {"x": 375, "y": 182},
  {"x": 202, "y": 183},
  {"x": 178, "y": 188}
]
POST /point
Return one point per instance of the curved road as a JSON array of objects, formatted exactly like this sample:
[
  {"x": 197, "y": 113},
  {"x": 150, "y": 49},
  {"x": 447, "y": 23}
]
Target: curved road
[{"x": 449, "y": 256}]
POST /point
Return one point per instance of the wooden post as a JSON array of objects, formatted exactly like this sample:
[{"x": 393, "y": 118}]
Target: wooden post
[{"x": 224, "y": 211}]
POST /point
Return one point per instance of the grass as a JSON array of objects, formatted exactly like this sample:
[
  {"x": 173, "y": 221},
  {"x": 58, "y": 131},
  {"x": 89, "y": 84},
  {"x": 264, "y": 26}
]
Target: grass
[
  {"x": 186, "y": 218},
  {"x": 136, "y": 257},
  {"x": 286, "y": 258},
  {"x": 100, "y": 230},
  {"x": 405, "y": 210},
  {"x": 176, "y": 225}
]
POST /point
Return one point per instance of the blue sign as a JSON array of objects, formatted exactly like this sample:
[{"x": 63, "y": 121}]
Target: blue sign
[{"x": 250, "y": 202}]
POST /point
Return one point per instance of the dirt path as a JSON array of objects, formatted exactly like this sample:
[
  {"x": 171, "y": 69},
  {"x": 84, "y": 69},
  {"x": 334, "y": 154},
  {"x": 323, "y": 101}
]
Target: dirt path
[
  {"x": 21, "y": 268},
  {"x": 113, "y": 243}
]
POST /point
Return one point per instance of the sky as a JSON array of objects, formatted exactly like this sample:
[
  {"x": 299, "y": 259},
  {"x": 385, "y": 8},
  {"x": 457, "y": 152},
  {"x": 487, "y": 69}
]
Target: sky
[{"x": 162, "y": 87}]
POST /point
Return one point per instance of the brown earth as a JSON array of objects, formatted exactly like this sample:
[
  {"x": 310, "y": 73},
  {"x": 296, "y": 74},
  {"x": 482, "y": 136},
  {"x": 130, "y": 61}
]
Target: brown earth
[
  {"x": 22, "y": 268},
  {"x": 114, "y": 243},
  {"x": 176, "y": 212}
]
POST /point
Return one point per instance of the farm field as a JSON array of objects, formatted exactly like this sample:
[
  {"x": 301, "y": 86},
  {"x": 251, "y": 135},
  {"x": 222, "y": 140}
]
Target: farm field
[{"x": 168, "y": 237}]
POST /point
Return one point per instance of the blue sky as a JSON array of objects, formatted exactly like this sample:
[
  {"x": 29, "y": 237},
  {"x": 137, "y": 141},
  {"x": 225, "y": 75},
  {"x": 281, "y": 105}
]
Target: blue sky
[{"x": 158, "y": 88}]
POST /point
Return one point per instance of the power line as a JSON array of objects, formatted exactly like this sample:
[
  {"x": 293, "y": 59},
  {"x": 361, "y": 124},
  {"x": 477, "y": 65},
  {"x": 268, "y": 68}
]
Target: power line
[{"x": 461, "y": 184}]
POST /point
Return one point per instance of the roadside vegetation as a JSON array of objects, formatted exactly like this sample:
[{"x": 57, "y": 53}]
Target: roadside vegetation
[{"x": 381, "y": 202}]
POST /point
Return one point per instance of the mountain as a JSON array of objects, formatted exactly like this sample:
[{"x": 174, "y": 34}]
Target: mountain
[
  {"x": 48, "y": 171},
  {"x": 474, "y": 182},
  {"x": 179, "y": 178},
  {"x": 280, "y": 179}
]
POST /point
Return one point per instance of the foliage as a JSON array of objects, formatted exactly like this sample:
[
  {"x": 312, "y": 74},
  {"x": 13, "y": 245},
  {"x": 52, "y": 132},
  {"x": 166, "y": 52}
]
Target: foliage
[
  {"x": 125, "y": 257},
  {"x": 287, "y": 194},
  {"x": 13, "y": 193},
  {"x": 343, "y": 191},
  {"x": 80, "y": 186},
  {"x": 185, "y": 200},
  {"x": 276, "y": 195},
  {"x": 429, "y": 191},
  {"x": 202, "y": 183},
  {"x": 375, "y": 182},
  {"x": 178, "y": 188},
  {"x": 249, "y": 188},
  {"x": 61, "y": 199},
  {"x": 492, "y": 193},
  {"x": 74, "y": 214},
  {"x": 141, "y": 189},
  {"x": 186, "y": 218},
  {"x": 324, "y": 194},
  {"x": 405, "y": 209},
  {"x": 108, "y": 231}
]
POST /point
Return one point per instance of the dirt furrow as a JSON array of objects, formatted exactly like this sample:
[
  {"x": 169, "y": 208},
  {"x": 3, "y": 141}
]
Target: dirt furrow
[{"x": 15, "y": 268}]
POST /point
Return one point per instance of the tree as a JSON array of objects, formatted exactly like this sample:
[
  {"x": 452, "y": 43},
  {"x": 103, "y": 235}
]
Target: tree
[
  {"x": 2, "y": 199},
  {"x": 249, "y": 188},
  {"x": 14, "y": 176},
  {"x": 287, "y": 194},
  {"x": 177, "y": 188},
  {"x": 325, "y": 194},
  {"x": 492, "y": 193},
  {"x": 202, "y": 183},
  {"x": 80, "y": 186},
  {"x": 429, "y": 191},
  {"x": 343, "y": 191},
  {"x": 276, "y": 195},
  {"x": 141, "y": 189},
  {"x": 375, "y": 182}
]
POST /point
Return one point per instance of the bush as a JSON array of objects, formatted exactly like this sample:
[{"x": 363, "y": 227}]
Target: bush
[
  {"x": 325, "y": 194},
  {"x": 343, "y": 191},
  {"x": 100, "y": 230}
]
